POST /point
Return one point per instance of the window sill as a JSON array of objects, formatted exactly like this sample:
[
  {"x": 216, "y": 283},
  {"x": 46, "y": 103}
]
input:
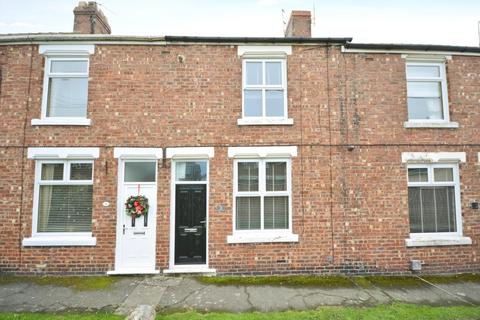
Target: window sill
[
  {"x": 446, "y": 241},
  {"x": 427, "y": 125},
  {"x": 262, "y": 238},
  {"x": 52, "y": 241},
  {"x": 264, "y": 122},
  {"x": 61, "y": 122}
]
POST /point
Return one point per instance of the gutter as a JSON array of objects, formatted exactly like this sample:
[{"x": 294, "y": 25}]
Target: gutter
[
  {"x": 410, "y": 49},
  {"x": 64, "y": 38}
]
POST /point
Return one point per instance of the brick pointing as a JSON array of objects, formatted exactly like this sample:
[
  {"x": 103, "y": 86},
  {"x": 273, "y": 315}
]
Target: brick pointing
[{"x": 350, "y": 208}]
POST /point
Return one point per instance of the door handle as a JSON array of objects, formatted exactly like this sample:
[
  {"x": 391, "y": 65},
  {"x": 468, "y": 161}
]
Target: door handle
[
  {"x": 203, "y": 221},
  {"x": 139, "y": 232},
  {"x": 123, "y": 229}
]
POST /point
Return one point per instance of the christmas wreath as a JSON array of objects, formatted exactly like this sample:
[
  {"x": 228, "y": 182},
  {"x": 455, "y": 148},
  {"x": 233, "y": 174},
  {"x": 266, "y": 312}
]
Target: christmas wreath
[{"x": 136, "y": 206}]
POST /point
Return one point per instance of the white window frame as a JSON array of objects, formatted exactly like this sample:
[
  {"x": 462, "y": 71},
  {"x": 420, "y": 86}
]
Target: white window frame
[
  {"x": 439, "y": 238},
  {"x": 265, "y": 120},
  {"x": 262, "y": 235},
  {"x": 442, "y": 79},
  {"x": 66, "y": 156},
  {"x": 62, "y": 53}
]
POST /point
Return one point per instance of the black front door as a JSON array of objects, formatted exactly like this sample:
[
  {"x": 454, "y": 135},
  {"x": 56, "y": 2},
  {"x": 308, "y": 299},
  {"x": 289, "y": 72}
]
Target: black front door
[{"x": 190, "y": 224}]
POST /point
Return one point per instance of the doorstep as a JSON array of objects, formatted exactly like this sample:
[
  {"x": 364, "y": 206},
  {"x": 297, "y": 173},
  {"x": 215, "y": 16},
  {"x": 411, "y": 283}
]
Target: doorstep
[
  {"x": 127, "y": 271},
  {"x": 190, "y": 269}
]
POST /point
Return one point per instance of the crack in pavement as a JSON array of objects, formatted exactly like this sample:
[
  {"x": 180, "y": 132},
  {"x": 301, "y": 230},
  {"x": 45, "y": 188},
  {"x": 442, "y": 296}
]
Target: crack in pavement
[{"x": 248, "y": 298}]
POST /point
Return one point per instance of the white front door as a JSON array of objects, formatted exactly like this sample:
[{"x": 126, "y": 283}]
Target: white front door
[{"x": 136, "y": 237}]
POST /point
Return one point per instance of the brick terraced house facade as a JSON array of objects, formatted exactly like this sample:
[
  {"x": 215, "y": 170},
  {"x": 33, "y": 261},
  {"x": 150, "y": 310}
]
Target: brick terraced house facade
[{"x": 256, "y": 155}]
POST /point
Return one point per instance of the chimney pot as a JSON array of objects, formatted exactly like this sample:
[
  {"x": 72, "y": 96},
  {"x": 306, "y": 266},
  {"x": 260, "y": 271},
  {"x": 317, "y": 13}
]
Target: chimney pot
[
  {"x": 299, "y": 25},
  {"x": 89, "y": 19}
]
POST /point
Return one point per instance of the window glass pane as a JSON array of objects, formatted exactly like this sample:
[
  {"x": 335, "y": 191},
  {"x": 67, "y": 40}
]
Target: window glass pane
[
  {"x": 428, "y": 209},
  {"x": 253, "y": 103},
  {"x": 276, "y": 176},
  {"x": 445, "y": 208},
  {"x": 52, "y": 171},
  {"x": 276, "y": 213},
  {"x": 432, "y": 209},
  {"x": 425, "y": 108},
  {"x": 274, "y": 103},
  {"x": 191, "y": 171},
  {"x": 424, "y": 89},
  {"x": 414, "y": 209},
  {"x": 81, "y": 171},
  {"x": 443, "y": 174},
  {"x": 67, "y": 66},
  {"x": 247, "y": 213},
  {"x": 418, "y": 175},
  {"x": 140, "y": 171},
  {"x": 248, "y": 176},
  {"x": 423, "y": 71},
  {"x": 254, "y": 73},
  {"x": 67, "y": 97},
  {"x": 273, "y": 74},
  {"x": 66, "y": 208}
]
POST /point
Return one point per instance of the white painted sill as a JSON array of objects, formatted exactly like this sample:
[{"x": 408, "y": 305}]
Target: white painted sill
[
  {"x": 262, "y": 238},
  {"x": 264, "y": 122},
  {"x": 190, "y": 269},
  {"x": 62, "y": 241},
  {"x": 447, "y": 241},
  {"x": 427, "y": 125},
  {"x": 61, "y": 122}
]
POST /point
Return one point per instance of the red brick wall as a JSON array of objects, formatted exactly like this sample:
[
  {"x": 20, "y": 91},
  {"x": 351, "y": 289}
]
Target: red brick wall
[{"x": 350, "y": 208}]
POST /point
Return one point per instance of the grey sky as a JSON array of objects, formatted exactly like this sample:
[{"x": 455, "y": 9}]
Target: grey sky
[{"x": 408, "y": 21}]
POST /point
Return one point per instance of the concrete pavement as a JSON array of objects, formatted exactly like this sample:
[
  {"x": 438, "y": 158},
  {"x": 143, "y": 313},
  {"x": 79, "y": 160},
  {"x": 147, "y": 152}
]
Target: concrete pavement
[{"x": 168, "y": 294}]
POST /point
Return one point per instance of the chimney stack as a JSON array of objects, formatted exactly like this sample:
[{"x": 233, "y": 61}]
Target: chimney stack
[
  {"x": 299, "y": 25},
  {"x": 89, "y": 19}
]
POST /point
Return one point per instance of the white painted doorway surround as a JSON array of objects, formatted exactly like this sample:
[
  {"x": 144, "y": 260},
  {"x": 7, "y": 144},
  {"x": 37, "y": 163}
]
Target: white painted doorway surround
[
  {"x": 187, "y": 154},
  {"x": 135, "y": 250}
]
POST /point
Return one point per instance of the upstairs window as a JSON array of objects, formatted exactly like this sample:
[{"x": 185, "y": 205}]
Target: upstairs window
[
  {"x": 427, "y": 92},
  {"x": 65, "y": 85},
  {"x": 264, "y": 89}
]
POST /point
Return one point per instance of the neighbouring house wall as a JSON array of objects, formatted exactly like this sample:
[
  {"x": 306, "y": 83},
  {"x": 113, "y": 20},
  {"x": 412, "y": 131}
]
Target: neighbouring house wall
[{"x": 350, "y": 207}]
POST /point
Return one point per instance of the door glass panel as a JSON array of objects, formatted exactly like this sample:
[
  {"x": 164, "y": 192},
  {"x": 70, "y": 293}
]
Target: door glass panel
[
  {"x": 52, "y": 171},
  {"x": 191, "y": 171},
  {"x": 140, "y": 171}
]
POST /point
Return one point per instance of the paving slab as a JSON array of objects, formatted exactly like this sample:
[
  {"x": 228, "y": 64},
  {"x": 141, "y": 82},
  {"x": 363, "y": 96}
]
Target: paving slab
[{"x": 30, "y": 297}]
